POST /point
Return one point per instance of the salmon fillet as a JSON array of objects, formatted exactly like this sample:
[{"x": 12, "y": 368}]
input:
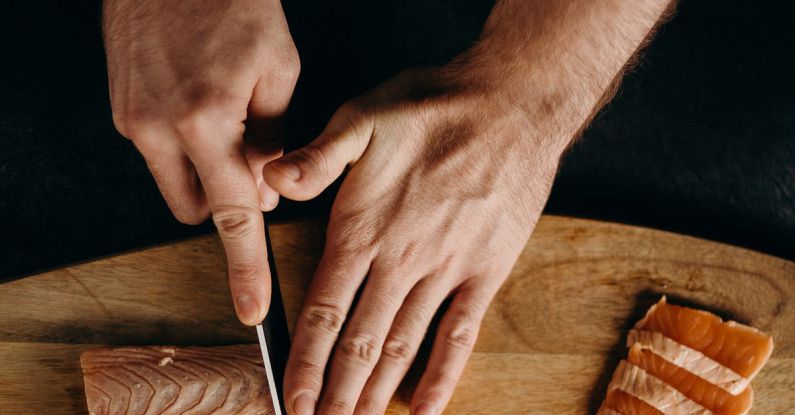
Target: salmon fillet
[
  {"x": 699, "y": 390},
  {"x": 644, "y": 386},
  {"x": 686, "y": 361},
  {"x": 619, "y": 402},
  {"x": 741, "y": 348},
  {"x": 689, "y": 359},
  {"x": 157, "y": 380}
]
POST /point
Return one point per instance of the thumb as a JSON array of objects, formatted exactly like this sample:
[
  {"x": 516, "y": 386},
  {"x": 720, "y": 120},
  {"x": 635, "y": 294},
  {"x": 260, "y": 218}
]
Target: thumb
[{"x": 306, "y": 172}]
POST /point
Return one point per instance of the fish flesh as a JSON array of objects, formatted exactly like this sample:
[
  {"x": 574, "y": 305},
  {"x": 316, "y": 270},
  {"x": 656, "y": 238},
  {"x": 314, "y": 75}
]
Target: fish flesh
[
  {"x": 157, "y": 380},
  {"x": 699, "y": 390},
  {"x": 740, "y": 348},
  {"x": 687, "y": 361},
  {"x": 619, "y": 402},
  {"x": 652, "y": 390}
]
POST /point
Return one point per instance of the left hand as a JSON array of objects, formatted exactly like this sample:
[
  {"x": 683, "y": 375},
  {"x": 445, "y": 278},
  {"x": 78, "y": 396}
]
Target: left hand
[{"x": 445, "y": 186}]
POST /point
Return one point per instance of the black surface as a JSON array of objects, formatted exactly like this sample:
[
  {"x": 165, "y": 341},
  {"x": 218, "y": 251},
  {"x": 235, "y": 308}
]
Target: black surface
[{"x": 700, "y": 140}]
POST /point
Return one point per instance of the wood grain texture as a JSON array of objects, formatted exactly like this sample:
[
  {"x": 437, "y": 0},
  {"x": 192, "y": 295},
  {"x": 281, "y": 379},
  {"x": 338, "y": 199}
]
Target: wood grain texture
[{"x": 548, "y": 345}]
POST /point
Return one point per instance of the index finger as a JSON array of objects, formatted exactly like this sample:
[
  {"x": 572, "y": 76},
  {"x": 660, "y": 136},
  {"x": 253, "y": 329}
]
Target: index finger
[{"x": 234, "y": 201}]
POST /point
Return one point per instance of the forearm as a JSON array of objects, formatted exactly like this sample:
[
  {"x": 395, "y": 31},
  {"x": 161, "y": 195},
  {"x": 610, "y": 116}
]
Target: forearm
[{"x": 560, "y": 58}]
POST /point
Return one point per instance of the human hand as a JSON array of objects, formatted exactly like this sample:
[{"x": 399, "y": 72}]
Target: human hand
[
  {"x": 187, "y": 78},
  {"x": 449, "y": 171},
  {"x": 446, "y": 184}
]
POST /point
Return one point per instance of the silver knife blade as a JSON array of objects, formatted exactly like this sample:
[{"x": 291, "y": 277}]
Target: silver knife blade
[{"x": 266, "y": 360}]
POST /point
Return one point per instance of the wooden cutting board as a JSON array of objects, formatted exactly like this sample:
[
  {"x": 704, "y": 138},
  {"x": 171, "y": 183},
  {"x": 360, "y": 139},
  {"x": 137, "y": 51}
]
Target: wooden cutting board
[{"x": 548, "y": 345}]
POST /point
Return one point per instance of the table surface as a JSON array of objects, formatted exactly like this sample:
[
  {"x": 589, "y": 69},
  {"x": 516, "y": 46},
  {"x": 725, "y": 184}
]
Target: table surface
[{"x": 548, "y": 345}]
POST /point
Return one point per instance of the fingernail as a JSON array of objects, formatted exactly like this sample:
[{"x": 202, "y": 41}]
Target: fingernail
[
  {"x": 271, "y": 201},
  {"x": 288, "y": 169},
  {"x": 426, "y": 408},
  {"x": 263, "y": 196},
  {"x": 304, "y": 403},
  {"x": 247, "y": 309},
  {"x": 269, "y": 198}
]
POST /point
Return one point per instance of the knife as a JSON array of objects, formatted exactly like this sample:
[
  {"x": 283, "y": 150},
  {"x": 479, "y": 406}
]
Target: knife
[
  {"x": 274, "y": 339},
  {"x": 266, "y": 360}
]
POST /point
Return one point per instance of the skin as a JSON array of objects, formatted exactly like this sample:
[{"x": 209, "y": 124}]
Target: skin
[
  {"x": 187, "y": 79},
  {"x": 448, "y": 170}
]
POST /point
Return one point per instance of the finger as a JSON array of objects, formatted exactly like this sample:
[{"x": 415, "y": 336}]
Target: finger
[
  {"x": 274, "y": 89},
  {"x": 269, "y": 198},
  {"x": 217, "y": 151},
  {"x": 175, "y": 177},
  {"x": 257, "y": 155},
  {"x": 402, "y": 344},
  {"x": 452, "y": 346},
  {"x": 306, "y": 172},
  {"x": 264, "y": 129},
  {"x": 338, "y": 277},
  {"x": 360, "y": 347}
]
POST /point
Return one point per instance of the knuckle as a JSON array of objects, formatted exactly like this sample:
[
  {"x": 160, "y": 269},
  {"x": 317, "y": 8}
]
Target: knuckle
[
  {"x": 324, "y": 318},
  {"x": 192, "y": 123},
  {"x": 120, "y": 122},
  {"x": 397, "y": 350},
  {"x": 201, "y": 118},
  {"x": 369, "y": 405},
  {"x": 462, "y": 331},
  {"x": 315, "y": 156},
  {"x": 350, "y": 238},
  {"x": 399, "y": 260},
  {"x": 347, "y": 246},
  {"x": 360, "y": 348},
  {"x": 290, "y": 67},
  {"x": 132, "y": 124},
  {"x": 309, "y": 369},
  {"x": 244, "y": 272},
  {"x": 352, "y": 115},
  {"x": 185, "y": 208},
  {"x": 338, "y": 265},
  {"x": 189, "y": 216},
  {"x": 236, "y": 221},
  {"x": 340, "y": 407},
  {"x": 350, "y": 110},
  {"x": 409, "y": 253},
  {"x": 282, "y": 74}
]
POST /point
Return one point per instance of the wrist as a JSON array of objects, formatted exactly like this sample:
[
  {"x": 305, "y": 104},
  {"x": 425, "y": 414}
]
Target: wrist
[
  {"x": 552, "y": 108},
  {"x": 556, "y": 63}
]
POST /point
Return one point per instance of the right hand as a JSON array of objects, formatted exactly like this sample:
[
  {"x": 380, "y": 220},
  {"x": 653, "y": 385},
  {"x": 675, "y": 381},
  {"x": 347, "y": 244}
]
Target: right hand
[{"x": 187, "y": 78}]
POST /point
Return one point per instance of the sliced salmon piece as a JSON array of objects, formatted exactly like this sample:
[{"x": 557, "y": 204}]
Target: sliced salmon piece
[
  {"x": 619, "y": 402},
  {"x": 741, "y": 348},
  {"x": 635, "y": 381},
  {"x": 689, "y": 359},
  {"x": 169, "y": 381},
  {"x": 699, "y": 390}
]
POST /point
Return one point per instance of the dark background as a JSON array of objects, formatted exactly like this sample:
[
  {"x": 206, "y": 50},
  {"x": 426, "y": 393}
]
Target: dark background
[{"x": 700, "y": 139}]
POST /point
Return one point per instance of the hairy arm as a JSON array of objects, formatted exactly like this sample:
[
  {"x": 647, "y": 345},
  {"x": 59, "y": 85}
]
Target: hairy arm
[{"x": 561, "y": 58}]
